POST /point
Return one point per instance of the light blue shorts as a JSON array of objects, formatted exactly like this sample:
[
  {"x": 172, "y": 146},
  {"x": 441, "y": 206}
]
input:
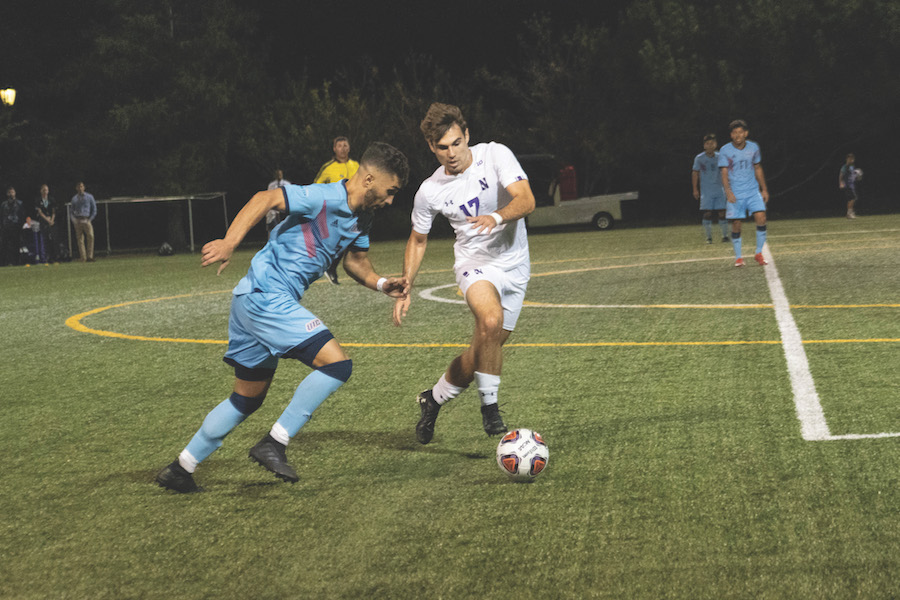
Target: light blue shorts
[
  {"x": 712, "y": 202},
  {"x": 265, "y": 326},
  {"x": 745, "y": 206}
]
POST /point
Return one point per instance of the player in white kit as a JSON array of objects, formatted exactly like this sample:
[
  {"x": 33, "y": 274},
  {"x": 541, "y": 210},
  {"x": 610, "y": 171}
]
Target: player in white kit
[{"x": 484, "y": 193}]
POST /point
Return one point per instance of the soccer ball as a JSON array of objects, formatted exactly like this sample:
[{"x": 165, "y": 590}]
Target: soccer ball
[
  {"x": 522, "y": 455},
  {"x": 859, "y": 174}
]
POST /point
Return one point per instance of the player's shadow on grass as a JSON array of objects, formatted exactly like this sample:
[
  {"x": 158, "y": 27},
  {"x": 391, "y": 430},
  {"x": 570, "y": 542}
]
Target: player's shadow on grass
[
  {"x": 311, "y": 442},
  {"x": 403, "y": 441}
]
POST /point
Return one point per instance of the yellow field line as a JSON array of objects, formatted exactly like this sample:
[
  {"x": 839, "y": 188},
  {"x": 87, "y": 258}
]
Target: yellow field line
[
  {"x": 855, "y": 247},
  {"x": 75, "y": 323}
]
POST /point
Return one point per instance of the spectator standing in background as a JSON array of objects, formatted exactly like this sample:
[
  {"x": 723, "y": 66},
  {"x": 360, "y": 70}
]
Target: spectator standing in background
[
  {"x": 84, "y": 211},
  {"x": 45, "y": 215},
  {"x": 12, "y": 218}
]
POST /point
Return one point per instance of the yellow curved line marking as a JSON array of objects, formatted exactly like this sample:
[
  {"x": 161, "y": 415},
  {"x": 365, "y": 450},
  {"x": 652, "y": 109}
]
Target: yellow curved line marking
[{"x": 75, "y": 322}]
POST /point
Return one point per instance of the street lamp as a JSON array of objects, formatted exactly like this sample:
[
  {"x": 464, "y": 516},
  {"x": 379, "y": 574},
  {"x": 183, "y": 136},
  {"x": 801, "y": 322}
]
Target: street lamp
[{"x": 8, "y": 96}]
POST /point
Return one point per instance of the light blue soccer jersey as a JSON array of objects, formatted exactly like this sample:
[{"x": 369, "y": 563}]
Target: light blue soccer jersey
[
  {"x": 319, "y": 226},
  {"x": 710, "y": 179},
  {"x": 740, "y": 165}
]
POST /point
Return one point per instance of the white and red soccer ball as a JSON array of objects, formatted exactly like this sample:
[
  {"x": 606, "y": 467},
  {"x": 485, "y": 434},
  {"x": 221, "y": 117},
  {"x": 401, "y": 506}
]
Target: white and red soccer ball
[{"x": 522, "y": 455}]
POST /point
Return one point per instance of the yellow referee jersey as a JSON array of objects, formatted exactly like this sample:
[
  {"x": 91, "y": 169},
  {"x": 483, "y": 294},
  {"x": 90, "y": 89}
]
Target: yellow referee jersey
[{"x": 335, "y": 171}]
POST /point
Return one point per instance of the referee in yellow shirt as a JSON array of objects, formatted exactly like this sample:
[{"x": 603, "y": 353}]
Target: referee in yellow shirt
[{"x": 339, "y": 167}]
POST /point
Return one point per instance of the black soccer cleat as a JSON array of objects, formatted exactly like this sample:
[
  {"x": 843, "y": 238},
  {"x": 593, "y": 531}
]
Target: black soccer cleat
[
  {"x": 174, "y": 477},
  {"x": 430, "y": 408},
  {"x": 271, "y": 455},
  {"x": 331, "y": 272},
  {"x": 491, "y": 420}
]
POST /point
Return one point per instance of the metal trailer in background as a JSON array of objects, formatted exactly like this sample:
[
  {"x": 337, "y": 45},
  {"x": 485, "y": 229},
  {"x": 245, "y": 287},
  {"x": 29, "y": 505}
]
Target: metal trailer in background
[
  {"x": 600, "y": 211},
  {"x": 135, "y": 200},
  {"x": 555, "y": 188}
]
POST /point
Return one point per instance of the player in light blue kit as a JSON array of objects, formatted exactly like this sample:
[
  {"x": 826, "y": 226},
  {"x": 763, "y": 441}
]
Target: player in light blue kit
[
  {"x": 745, "y": 188},
  {"x": 268, "y": 322},
  {"x": 707, "y": 184}
]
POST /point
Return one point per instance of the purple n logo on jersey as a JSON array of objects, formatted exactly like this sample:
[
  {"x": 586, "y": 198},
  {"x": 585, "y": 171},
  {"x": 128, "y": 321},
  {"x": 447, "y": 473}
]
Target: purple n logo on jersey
[{"x": 484, "y": 183}]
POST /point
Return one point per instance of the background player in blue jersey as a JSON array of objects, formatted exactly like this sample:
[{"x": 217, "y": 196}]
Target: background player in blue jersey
[
  {"x": 847, "y": 180},
  {"x": 268, "y": 322},
  {"x": 745, "y": 188},
  {"x": 707, "y": 184}
]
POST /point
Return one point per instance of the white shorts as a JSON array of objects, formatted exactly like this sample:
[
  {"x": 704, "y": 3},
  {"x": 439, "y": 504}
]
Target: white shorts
[{"x": 510, "y": 285}]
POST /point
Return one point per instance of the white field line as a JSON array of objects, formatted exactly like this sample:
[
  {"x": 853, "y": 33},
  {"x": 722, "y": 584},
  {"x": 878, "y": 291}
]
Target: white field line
[
  {"x": 809, "y": 410},
  {"x": 813, "y": 426},
  {"x": 429, "y": 294},
  {"x": 854, "y": 232}
]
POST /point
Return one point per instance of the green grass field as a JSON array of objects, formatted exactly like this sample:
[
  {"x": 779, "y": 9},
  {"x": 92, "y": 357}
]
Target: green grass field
[{"x": 657, "y": 373}]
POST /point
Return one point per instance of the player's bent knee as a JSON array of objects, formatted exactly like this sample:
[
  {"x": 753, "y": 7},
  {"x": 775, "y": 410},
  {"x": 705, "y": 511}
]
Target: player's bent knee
[
  {"x": 340, "y": 370},
  {"x": 244, "y": 405},
  {"x": 491, "y": 325}
]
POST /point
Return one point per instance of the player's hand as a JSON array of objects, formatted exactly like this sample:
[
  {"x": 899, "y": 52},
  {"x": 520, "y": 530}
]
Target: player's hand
[
  {"x": 696, "y": 195},
  {"x": 730, "y": 197},
  {"x": 401, "y": 307},
  {"x": 765, "y": 196},
  {"x": 396, "y": 287},
  {"x": 482, "y": 223},
  {"x": 216, "y": 251}
]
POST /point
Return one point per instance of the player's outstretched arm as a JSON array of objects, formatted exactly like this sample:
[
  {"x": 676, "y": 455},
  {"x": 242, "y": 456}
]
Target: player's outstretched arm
[
  {"x": 412, "y": 260},
  {"x": 360, "y": 269},
  {"x": 520, "y": 206},
  {"x": 220, "y": 251}
]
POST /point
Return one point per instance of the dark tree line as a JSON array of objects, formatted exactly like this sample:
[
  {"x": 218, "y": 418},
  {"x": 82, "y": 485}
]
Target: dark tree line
[{"x": 165, "y": 97}]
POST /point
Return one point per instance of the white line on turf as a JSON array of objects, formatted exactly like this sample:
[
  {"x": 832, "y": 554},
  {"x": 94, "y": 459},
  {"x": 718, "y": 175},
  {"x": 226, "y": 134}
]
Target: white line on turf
[
  {"x": 809, "y": 410},
  {"x": 429, "y": 294},
  {"x": 813, "y": 426}
]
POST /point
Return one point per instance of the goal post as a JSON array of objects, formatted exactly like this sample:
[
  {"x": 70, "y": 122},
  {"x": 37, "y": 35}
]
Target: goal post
[{"x": 104, "y": 207}]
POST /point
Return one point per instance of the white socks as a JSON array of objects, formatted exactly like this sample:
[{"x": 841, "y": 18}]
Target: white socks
[
  {"x": 487, "y": 385},
  {"x": 443, "y": 390},
  {"x": 280, "y": 434},
  {"x": 187, "y": 461}
]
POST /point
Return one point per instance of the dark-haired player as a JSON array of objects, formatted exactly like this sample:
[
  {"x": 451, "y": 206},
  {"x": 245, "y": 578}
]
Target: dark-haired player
[
  {"x": 745, "y": 188},
  {"x": 485, "y": 195},
  {"x": 268, "y": 322},
  {"x": 707, "y": 184}
]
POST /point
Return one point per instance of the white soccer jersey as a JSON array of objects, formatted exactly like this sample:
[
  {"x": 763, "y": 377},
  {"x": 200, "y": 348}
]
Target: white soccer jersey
[{"x": 479, "y": 190}]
